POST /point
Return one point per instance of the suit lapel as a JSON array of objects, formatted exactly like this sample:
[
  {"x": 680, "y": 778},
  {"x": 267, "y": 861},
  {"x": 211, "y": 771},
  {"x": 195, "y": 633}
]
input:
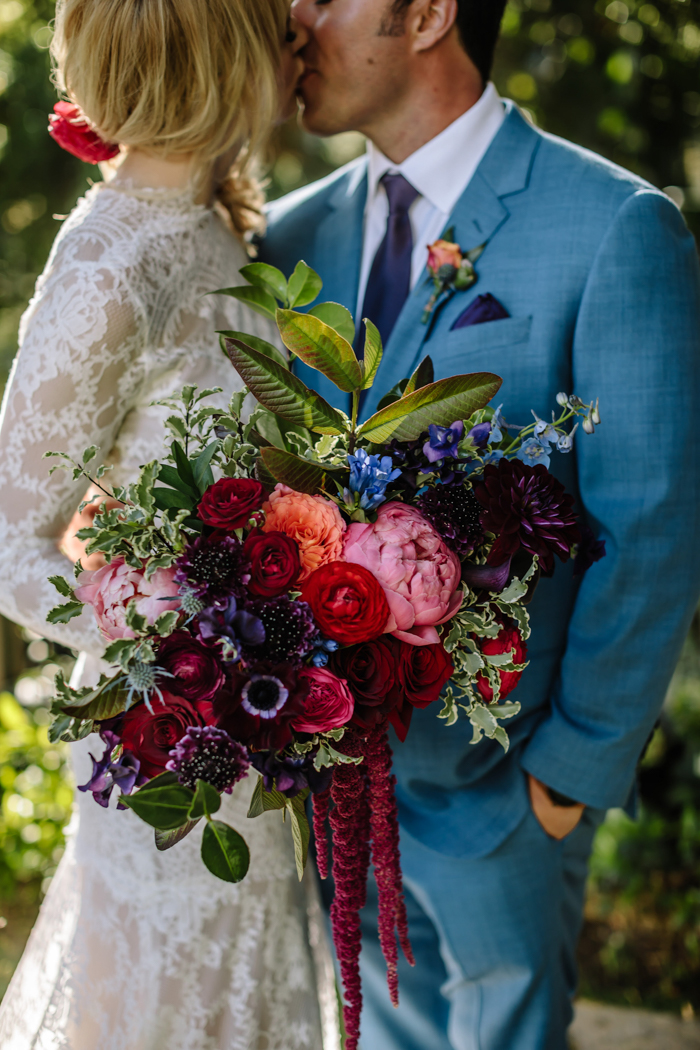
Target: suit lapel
[
  {"x": 478, "y": 216},
  {"x": 339, "y": 239}
]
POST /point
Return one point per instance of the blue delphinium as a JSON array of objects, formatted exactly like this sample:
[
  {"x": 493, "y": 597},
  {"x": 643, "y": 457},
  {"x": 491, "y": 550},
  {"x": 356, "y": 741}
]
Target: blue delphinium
[
  {"x": 443, "y": 441},
  {"x": 534, "y": 451},
  {"x": 369, "y": 477}
]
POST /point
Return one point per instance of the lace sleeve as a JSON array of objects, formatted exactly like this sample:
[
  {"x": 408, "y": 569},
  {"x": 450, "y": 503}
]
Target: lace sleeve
[{"x": 78, "y": 372}]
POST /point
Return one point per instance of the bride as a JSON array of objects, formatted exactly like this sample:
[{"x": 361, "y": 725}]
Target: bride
[{"x": 135, "y": 948}]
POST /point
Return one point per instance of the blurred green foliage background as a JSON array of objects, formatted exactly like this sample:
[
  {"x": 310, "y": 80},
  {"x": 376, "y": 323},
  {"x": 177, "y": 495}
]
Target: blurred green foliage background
[{"x": 621, "y": 77}]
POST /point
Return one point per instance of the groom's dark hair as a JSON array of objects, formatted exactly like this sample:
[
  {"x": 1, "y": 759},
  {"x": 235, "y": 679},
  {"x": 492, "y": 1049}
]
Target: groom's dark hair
[{"x": 478, "y": 21}]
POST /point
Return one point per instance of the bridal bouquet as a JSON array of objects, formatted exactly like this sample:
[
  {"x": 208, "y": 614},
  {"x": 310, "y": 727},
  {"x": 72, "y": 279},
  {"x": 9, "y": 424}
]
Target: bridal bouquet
[{"x": 283, "y": 587}]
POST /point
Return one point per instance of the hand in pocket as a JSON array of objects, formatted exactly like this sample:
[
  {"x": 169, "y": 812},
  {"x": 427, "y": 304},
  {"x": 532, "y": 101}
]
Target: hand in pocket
[{"x": 557, "y": 821}]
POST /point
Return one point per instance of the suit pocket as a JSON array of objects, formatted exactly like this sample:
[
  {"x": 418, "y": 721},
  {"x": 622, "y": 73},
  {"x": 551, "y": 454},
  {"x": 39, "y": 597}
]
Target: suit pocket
[{"x": 468, "y": 349}]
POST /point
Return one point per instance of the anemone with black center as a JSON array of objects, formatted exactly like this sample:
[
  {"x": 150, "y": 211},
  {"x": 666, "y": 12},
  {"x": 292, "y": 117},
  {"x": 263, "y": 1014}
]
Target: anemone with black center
[{"x": 264, "y": 695}]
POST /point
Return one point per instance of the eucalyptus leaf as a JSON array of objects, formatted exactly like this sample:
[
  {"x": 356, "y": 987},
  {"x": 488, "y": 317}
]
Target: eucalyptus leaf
[
  {"x": 207, "y": 801},
  {"x": 267, "y": 277},
  {"x": 304, "y": 285},
  {"x": 168, "y": 839},
  {"x": 372, "y": 354},
  {"x": 162, "y": 802},
  {"x": 225, "y": 852},
  {"x": 336, "y": 316},
  {"x": 319, "y": 346},
  {"x": 440, "y": 403},
  {"x": 256, "y": 298},
  {"x": 279, "y": 390}
]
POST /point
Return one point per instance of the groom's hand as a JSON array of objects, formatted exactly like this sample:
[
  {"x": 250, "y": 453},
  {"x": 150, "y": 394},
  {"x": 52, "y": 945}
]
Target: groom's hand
[{"x": 557, "y": 821}]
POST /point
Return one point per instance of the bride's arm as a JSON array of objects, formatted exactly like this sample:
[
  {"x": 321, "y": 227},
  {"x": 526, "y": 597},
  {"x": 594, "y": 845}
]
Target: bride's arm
[{"x": 78, "y": 372}]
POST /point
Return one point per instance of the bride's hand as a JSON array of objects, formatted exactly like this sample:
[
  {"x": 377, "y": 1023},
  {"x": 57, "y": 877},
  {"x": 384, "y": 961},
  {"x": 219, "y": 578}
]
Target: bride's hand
[{"x": 70, "y": 545}]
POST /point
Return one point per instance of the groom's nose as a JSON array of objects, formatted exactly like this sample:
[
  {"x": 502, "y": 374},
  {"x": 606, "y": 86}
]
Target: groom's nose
[
  {"x": 304, "y": 12},
  {"x": 300, "y": 33}
]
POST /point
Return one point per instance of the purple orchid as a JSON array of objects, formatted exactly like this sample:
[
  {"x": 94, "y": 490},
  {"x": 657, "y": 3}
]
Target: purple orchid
[{"x": 443, "y": 441}]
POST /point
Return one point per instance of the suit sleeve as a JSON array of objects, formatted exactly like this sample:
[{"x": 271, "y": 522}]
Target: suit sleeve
[{"x": 637, "y": 347}]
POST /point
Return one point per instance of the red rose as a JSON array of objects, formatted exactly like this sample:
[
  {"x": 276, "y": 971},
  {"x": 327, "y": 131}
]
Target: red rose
[
  {"x": 196, "y": 666},
  {"x": 69, "y": 128},
  {"x": 507, "y": 639},
  {"x": 372, "y": 675},
  {"x": 347, "y": 601},
  {"x": 230, "y": 502},
  {"x": 274, "y": 563},
  {"x": 151, "y": 737},
  {"x": 329, "y": 704},
  {"x": 422, "y": 672}
]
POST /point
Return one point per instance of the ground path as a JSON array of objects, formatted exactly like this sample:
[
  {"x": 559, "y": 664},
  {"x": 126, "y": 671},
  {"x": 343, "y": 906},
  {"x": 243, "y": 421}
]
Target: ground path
[{"x": 599, "y": 1027}]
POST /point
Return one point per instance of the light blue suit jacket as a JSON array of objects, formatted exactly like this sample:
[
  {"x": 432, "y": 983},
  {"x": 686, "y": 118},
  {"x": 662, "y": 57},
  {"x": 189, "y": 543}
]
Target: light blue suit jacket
[{"x": 600, "y": 277}]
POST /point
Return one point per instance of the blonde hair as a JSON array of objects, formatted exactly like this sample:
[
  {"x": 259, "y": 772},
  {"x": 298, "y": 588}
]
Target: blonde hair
[{"x": 178, "y": 77}]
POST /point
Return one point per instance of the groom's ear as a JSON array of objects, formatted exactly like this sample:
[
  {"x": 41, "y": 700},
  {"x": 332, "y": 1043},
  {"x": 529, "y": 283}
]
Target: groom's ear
[{"x": 429, "y": 21}]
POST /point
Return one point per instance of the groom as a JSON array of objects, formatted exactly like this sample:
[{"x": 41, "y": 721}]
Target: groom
[{"x": 588, "y": 283}]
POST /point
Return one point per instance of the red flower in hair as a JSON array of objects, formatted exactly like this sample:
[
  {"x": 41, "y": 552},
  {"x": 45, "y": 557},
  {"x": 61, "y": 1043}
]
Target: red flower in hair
[{"x": 69, "y": 128}]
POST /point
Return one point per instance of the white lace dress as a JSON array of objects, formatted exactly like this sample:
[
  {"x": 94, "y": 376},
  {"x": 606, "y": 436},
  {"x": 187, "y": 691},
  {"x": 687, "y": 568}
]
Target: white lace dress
[{"x": 134, "y": 948}]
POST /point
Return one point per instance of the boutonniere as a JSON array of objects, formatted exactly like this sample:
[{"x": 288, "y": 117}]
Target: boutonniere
[{"x": 452, "y": 270}]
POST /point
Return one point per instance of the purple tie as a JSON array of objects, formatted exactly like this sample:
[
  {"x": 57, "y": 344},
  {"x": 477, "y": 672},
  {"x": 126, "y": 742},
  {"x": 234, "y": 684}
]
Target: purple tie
[{"x": 390, "y": 277}]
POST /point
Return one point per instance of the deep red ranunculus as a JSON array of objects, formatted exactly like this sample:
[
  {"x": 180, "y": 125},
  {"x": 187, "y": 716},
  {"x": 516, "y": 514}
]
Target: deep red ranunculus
[
  {"x": 69, "y": 128},
  {"x": 371, "y": 673},
  {"x": 422, "y": 672},
  {"x": 507, "y": 639},
  {"x": 347, "y": 601},
  {"x": 230, "y": 502},
  {"x": 151, "y": 737},
  {"x": 274, "y": 563},
  {"x": 196, "y": 666}
]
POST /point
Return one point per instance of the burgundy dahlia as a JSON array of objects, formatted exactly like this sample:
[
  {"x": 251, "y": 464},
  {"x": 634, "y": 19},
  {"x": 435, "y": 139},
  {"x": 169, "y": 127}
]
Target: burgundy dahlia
[
  {"x": 526, "y": 507},
  {"x": 455, "y": 513},
  {"x": 208, "y": 753},
  {"x": 215, "y": 568},
  {"x": 289, "y": 630}
]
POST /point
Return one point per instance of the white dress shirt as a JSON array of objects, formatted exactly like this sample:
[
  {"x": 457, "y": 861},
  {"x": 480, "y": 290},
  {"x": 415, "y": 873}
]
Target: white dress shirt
[{"x": 440, "y": 170}]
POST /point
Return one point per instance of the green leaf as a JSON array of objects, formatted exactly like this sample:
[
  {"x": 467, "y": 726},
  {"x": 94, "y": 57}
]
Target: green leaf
[
  {"x": 207, "y": 800},
  {"x": 162, "y": 802},
  {"x": 121, "y": 652},
  {"x": 65, "y": 613},
  {"x": 423, "y": 376},
  {"x": 279, "y": 390},
  {"x": 256, "y": 298},
  {"x": 202, "y": 470},
  {"x": 261, "y": 345},
  {"x": 168, "y": 839},
  {"x": 166, "y": 623},
  {"x": 304, "y": 285},
  {"x": 225, "y": 852},
  {"x": 372, "y": 354},
  {"x": 170, "y": 499},
  {"x": 267, "y": 277},
  {"x": 263, "y": 801},
  {"x": 107, "y": 700},
  {"x": 319, "y": 346},
  {"x": 134, "y": 619},
  {"x": 440, "y": 403},
  {"x": 298, "y": 473},
  {"x": 184, "y": 467},
  {"x": 336, "y": 316},
  {"x": 169, "y": 476},
  {"x": 90, "y": 453},
  {"x": 300, "y": 831},
  {"x": 144, "y": 487},
  {"x": 392, "y": 395},
  {"x": 62, "y": 586}
]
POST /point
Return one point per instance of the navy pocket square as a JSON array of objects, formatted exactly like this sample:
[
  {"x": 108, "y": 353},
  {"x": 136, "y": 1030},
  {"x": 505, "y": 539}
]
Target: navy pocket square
[{"x": 483, "y": 308}]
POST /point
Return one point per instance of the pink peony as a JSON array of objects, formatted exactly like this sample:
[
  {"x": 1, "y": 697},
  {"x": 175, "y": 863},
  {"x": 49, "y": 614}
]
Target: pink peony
[
  {"x": 110, "y": 589},
  {"x": 420, "y": 575},
  {"x": 313, "y": 522},
  {"x": 329, "y": 703}
]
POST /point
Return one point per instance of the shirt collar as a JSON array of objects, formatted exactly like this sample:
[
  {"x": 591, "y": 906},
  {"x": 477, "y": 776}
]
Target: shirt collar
[{"x": 442, "y": 168}]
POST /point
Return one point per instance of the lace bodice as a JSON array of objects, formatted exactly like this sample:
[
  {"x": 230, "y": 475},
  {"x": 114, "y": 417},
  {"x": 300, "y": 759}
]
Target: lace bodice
[{"x": 121, "y": 316}]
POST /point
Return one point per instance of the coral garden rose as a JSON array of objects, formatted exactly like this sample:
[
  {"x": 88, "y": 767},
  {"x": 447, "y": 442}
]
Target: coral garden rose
[
  {"x": 329, "y": 704},
  {"x": 196, "y": 667},
  {"x": 230, "y": 503},
  {"x": 419, "y": 573},
  {"x": 274, "y": 563},
  {"x": 348, "y": 603},
  {"x": 313, "y": 522},
  {"x": 444, "y": 253},
  {"x": 109, "y": 591},
  {"x": 151, "y": 737},
  {"x": 507, "y": 640}
]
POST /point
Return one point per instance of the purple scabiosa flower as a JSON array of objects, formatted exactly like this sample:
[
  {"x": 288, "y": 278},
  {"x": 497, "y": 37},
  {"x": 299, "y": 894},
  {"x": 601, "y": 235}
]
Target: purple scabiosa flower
[
  {"x": 106, "y": 774},
  {"x": 289, "y": 630},
  {"x": 443, "y": 441},
  {"x": 526, "y": 507},
  {"x": 208, "y": 753},
  {"x": 290, "y": 774},
  {"x": 455, "y": 513},
  {"x": 213, "y": 568},
  {"x": 587, "y": 551},
  {"x": 233, "y": 627},
  {"x": 534, "y": 451},
  {"x": 369, "y": 477}
]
